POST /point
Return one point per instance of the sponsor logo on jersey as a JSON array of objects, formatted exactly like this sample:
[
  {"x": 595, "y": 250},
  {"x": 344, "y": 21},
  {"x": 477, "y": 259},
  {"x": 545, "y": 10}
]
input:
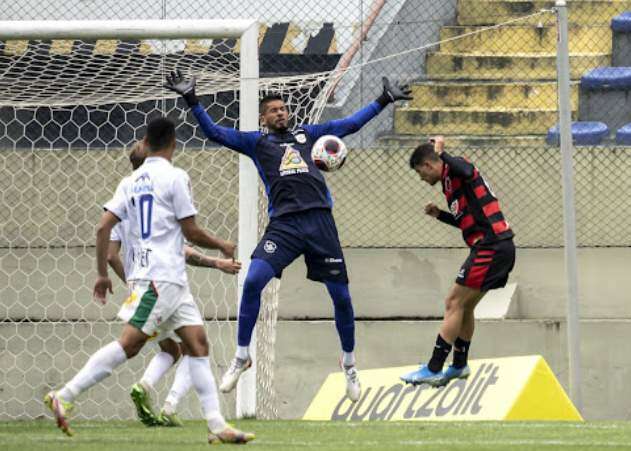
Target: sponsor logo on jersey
[
  {"x": 269, "y": 247},
  {"x": 333, "y": 260},
  {"x": 292, "y": 162},
  {"x": 461, "y": 273},
  {"x": 447, "y": 185},
  {"x": 142, "y": 184}
]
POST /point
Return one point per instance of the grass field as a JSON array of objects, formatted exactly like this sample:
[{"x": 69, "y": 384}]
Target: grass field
[{"x": 285, "y": 435}]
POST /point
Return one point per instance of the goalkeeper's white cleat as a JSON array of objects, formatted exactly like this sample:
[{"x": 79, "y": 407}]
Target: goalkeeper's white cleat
[
  {"x": 230, "y": 435},
  {"x": 353, "y": 387},
  {"x": 61, "y": 410},
  {"x": 231, "y": 377}
]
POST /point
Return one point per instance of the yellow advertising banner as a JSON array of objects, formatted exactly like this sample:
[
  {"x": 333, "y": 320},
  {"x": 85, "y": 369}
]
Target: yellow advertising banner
[{"x": 511, "y": 388}]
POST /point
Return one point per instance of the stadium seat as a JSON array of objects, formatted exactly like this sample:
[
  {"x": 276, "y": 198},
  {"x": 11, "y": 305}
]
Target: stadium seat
[
  {"x": 622, "y": 22},
  {"x": 607, "y": 78},
  {"x": 583, "y": 133},
  {"x": 623, "y": 135}
]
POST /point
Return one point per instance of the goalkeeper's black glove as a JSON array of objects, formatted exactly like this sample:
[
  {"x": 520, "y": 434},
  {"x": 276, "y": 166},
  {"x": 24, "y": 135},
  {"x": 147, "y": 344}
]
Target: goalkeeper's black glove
[
  {"x": 185, "y": 88},
  {"x": 391, "y": 93}
]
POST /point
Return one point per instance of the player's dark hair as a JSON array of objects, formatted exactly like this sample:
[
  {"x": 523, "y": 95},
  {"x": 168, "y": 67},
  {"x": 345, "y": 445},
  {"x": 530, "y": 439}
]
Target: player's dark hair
[
  {"x": 137, "y": 155},
  {"x": 160, "y": 134},
  {"x": 267, "y": 98},
  {"x": 424, "y": 152}
]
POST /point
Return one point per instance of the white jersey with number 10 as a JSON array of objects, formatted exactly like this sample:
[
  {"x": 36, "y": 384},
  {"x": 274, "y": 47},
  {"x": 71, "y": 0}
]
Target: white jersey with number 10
[{"x": 158, "y": 196}]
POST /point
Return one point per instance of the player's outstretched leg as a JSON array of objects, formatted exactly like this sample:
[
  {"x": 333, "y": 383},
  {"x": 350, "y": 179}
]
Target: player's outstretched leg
[
  {"x": 97, "y": 368},
  {"x": 259, "y": 274},
  {"x": 157, "y": 368},
  {"x": 345, "y": 325},
  {"x": 459, "y": 300},
  {"x": 204, "y": 383}
]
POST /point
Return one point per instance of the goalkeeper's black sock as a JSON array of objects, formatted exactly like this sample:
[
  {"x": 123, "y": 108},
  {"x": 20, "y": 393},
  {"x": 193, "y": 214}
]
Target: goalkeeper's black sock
[
  {"x": 461, "y": 352},
  {"x": 441, "y": 351}
]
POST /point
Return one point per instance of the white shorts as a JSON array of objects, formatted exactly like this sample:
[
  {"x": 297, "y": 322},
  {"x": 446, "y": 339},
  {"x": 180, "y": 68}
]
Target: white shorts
[{"x": 159, "y": 308}]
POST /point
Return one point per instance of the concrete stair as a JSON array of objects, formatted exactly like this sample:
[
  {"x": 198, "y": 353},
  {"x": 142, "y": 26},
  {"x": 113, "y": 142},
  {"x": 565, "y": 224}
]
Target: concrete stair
[
  {"x": 413, "y": 140},
  {"x": 582, "y": 12},
  {"x": 503, "y": 81},
  {"x": 496, "y": 94},
  {"x": 525, "y": 66},
  {"x": 516, "y": 39},
  {"x": 474, "y": 121}
]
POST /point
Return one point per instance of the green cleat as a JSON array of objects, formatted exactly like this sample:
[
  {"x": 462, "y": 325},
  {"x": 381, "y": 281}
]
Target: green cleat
[
  {"x": 142, "y": 400},
  {"x": 169, "y": 420},
  {"x": 61, "y": 410}
]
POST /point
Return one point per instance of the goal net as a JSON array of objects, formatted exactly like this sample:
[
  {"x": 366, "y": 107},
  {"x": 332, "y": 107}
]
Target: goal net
[{"x": 70, "y": 108}]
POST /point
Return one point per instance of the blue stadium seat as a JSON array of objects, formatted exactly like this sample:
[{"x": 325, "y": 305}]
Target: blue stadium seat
[
  {"x": 607, "y": 78},
  {"x": 622, "y": 22},
  {"x": 583, "y": 133},
  {"x": 623, "y": 135}
]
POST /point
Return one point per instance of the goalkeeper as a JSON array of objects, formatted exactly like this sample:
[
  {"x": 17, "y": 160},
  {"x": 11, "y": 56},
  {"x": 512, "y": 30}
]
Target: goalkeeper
[{"x": 300, "y": 205}]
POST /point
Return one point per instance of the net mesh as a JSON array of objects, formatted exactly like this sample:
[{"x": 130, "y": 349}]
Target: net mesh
[
  {"x": 491, "y": 89},
  {"x": 69, "y": 111}
]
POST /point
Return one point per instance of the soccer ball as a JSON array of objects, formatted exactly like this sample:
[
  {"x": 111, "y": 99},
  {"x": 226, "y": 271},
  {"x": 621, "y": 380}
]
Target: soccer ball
[{"x": 329, "y": 153}]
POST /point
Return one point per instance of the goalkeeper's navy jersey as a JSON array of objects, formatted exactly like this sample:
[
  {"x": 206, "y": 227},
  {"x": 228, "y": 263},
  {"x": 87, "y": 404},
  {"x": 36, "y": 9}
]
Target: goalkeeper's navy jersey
[{"x": 292, "y": 181}]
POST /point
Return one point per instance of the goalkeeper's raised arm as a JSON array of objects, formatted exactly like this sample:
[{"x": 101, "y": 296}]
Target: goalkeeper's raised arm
[
  {"x": 354, "y": 122},
  {"x": 276, "y": 119}
]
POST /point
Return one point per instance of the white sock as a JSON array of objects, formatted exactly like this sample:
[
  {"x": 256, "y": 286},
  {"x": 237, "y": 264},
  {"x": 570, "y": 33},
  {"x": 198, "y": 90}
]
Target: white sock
[
  {"x": 348, "y": 359},
  {"x": 204, "y": 383},
  {"x": 97, "y": 368},
  {"x": 243, "y": 352},
  {"x": 181, "y": 385},
  {"x": 157, "y": 368}
]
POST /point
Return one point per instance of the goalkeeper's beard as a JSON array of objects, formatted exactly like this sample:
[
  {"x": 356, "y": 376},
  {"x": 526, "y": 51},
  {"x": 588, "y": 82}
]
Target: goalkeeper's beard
[{"x": 281, "y": 129}]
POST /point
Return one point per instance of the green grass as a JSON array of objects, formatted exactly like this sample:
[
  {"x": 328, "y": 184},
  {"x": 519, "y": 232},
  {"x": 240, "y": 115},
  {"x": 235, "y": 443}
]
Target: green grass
[{"x": 279, "y": 435}]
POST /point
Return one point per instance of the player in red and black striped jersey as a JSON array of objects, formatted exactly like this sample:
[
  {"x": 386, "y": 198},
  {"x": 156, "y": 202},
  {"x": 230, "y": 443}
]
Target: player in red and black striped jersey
[{"x": 475, "y": 210}]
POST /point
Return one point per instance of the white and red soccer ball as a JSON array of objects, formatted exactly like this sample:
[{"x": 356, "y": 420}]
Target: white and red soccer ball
[{"x": 329, "y": 153}]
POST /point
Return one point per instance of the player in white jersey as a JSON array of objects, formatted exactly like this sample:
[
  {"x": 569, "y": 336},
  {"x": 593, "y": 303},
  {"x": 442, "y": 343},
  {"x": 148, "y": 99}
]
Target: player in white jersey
[
  {"x": 170, "y": 347},
  {"x": 159, "y": 206}
]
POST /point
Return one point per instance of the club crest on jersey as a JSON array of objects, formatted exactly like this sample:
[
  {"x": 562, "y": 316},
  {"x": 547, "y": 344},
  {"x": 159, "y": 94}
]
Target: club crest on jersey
[
  {"x": 454, "y": 208},
  {"x": 269, "y": 247},
  {"x": 300, "y": 138},
  {"x": 292, "y": 162}
]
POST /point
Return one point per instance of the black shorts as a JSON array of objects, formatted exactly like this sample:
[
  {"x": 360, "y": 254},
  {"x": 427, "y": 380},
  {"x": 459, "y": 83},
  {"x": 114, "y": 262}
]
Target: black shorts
[
  {"x": 311, "y": 233},
  {"x": 488, "y": 266}
]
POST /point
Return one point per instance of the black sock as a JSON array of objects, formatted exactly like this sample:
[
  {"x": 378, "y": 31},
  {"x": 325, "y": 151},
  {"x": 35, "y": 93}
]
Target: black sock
[
  {"x": 461, "y": 352},
  {"x": 441, "y": 351}
]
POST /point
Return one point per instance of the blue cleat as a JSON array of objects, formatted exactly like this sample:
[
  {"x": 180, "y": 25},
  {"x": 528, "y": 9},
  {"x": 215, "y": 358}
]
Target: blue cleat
[
  {"x": 456, "y": 373},
  {"x": 424, "y": 376}
]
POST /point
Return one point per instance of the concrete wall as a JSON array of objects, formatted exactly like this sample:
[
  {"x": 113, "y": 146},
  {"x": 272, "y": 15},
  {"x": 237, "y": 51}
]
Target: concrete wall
[
  {"x": 306, "y": 352},
  {"x": 412, "y": 283}
]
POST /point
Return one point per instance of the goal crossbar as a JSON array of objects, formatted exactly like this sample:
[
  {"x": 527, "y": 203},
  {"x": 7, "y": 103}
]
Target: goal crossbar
[{"x": 124, "y": 29}]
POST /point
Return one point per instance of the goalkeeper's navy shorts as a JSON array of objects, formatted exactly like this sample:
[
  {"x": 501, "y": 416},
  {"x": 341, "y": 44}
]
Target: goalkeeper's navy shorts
[
  {"x": 311, "y": 233},
  {"x": 488, "y": 266}
]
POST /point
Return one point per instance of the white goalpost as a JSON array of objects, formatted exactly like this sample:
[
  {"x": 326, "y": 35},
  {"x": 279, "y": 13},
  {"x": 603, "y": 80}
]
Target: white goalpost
[{"x": 47, "y": 84}]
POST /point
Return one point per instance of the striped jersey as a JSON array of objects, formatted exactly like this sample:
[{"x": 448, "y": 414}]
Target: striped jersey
[{"x": 473, "y": 207}]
